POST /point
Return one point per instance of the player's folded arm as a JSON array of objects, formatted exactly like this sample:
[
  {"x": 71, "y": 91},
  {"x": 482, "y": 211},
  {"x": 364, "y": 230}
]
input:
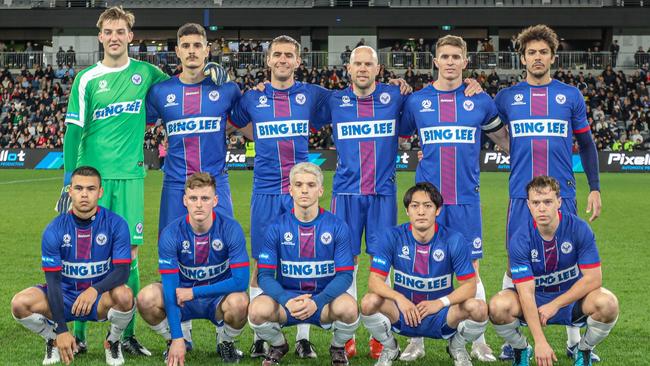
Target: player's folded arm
[
  {"x": 116, "y": 277},
  {"x": 270, "y": 286},
  {"x": 335, "y": 288},
  {"x": 238, "y": 282}
]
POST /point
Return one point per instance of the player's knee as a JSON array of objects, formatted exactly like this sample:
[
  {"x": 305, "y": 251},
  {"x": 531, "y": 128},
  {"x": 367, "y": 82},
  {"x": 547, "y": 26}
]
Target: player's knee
[
  {"x": 260, "y": 310},
  {"x": 147, "y": 299},
  {"x": 20, "y": 305},
  {"x": 370, "y": 304},
  {"x": 477, "y": 309},
  {"x": 606, "y": 305},
  {"x": 122, "y": 297},
  {"x": 236, "y": 306},
  {"x": 344, "y": 309},
  {"x": 499, "y": 309}
]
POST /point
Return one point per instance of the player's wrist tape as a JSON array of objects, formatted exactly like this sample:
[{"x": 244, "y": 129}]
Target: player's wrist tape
[{"x": 445, "y": 301}]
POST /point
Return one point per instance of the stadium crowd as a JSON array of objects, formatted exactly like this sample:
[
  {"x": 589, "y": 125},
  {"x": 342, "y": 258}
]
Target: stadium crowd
[{"x": 33, "y": 103}]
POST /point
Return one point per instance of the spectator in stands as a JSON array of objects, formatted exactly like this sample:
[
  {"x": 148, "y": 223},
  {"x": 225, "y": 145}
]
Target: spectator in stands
[
  {"x": 71, "y": 56},
  {"x": 60, "y": 56},
  {"x": 345, "y": 55},
  {"x": 60, "y": 72}
]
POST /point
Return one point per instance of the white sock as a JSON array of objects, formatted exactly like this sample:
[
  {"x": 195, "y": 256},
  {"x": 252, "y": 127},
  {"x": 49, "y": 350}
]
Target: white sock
[
  {"x": 186, "y": 327},
  {"x": 253, "y": 293},
  {"x": 572, "y": 336},
  {"x": 480, "y": 294},
  {"x": 302, "y": 332},
  {"x": 226, "y": 333},
  {"x": 162, "y": 329},
  {"x": 119, "y": 321},
  {"x": 507, "y": 282},
  {"x": 270, "y": 332},
  {"x": 38, "y": 324},
  {"x": 418, "y": 340},
  {"x": 511, "y": 334},
  {"x": 468, "y": 331},
  {"x": 343, "y": 332},
  {"x": 596, "y": 333},
  {"x": 379, "y": 327},
  {"x": 352, "y": 290}
]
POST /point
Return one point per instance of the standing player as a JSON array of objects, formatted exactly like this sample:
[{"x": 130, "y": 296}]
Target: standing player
[
  {"x": 105, "y": 129},
  {"x": 450, "y": 124},
  {"x": 86, "y": 254},
  {"x": 543, "y": 116},
  {"x": 204, "y": 266},
  {"x": 423, "y": 302},
  {"x": 555, "y": 266},
  {"x": 282, "y": 115},
  {"x": 305, "y": 268}
]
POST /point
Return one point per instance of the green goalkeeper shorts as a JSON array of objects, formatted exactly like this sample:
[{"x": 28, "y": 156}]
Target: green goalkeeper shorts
[{"x": 125, "y": 197}]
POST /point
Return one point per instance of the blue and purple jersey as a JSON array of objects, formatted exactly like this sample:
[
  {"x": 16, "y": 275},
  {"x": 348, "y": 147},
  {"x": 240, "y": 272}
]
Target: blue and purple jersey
[
  {"x": 423, "y": 271},
  {"x": 85, "y": 254},
  {"x": 366, "y": 137},
  {"x": 449, "y": 125},
  {"x": 554, "y": 265},
  {"x": 195, "y": 117},
  {"x": 202, "y": 259},
  {"x": 306, "y": 256},
  {"x": 281, "y": 122},
  {"x": 542, "y": 120}
]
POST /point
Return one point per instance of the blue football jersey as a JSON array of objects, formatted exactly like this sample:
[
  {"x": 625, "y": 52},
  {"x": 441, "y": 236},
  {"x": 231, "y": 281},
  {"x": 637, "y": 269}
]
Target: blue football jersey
[
  {"x": 281, "y": 123},
  {"x": 423, "y": 271},
  {"x": 366, "y": 137},
  {"x": 554, "y": 265},
  {"x": 542, "y": 121},
  {"x": 306, "y": 256},
  {"x": 85, "y": 254},
  {"x": 449, "y": 125},
  {"x": 195, "y": 117},
  {"x": 202, "y": 259}
]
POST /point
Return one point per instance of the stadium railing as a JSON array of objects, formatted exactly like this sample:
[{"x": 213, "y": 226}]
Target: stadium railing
[{"x": 392, "y": 60}]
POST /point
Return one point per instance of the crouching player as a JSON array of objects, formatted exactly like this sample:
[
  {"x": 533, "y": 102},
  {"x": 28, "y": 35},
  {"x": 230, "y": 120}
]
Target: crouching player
[
  {"x": 305, "y": 267},
  {"x": 86, "y": 256},
  {"x": 556, "y": 271},
  {"x": 204, "y": 266},
  {"x": 423, "y": 301}
]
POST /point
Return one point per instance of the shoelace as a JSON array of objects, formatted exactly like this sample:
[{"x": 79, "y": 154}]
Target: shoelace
[
  {"x": 229, "y": 349},
  {"x": 339, "y": 356},
  {"x": 50, "y": 348},
  {"x": 115, "y": 349}
]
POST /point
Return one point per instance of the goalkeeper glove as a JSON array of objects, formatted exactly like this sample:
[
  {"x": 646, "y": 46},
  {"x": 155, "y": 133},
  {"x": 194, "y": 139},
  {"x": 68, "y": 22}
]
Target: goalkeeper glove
[
  {"x": 65, "y": 201},
  {"x": 216, "y": 72}
]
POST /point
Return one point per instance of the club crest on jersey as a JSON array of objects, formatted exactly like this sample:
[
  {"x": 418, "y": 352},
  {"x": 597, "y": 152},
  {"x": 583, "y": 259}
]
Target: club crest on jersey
[
  {"x": 477, "y": 243},
  {"x": 263, "y": 102},
  {"x": 346, "y": 101},
  {"x": 139, "y": 228},
  {"x": 136, "y": 79},
  {"x": 468, "y": 105},
  {"x": 566, "y": 247},
  {"x": 213, "y": 95},
  {"x": 101, "y": 239},
  {"x": 217, "y": 244},
  {"x": 66, "y": 241},
  {"x": 405, "y": 253},
  {"x": 301, "y": 98},
  {"x": 519, "y": 100},
  {"x": 326, "y": 237},
  {"x": 384, "y": 98},
  {"x": 103, "y": 86},
  {"x": 438, "y": 255},
  {"x": 186, "y": 247},
  {"x": 171, "y": 100},
  {"x": 560, "y": 98},
  {"x": 426, "y": 106}
]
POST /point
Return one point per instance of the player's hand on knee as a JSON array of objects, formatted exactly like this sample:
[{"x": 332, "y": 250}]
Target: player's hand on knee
[
  {"x": 410, "y": 311},
  {"x": 544, "y": 354},
  {"x": 83, "y": 305},
  {"x": 473, "y": 87},
  {"x": 65, "y": 201},
  {"x": 308, "y": 310},
  {"x": 216, "y": 72},
  {"x": 184, "y": 295},
  {"x": 176, "y": 355},
  {"x": 426, "y": 308},
  {"x": 66, "y": 344},
  {"x": 546, "y": 312}
]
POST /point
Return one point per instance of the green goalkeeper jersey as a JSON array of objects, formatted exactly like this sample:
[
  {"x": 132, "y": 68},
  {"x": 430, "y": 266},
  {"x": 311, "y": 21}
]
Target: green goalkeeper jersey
[{"x": 109, "y": 104}]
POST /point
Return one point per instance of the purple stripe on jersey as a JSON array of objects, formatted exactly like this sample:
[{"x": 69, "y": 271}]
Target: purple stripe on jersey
[
  {"x": 84, "y": 243},
  {"x": 281, "y": 105},
  {"x": 192, "y": 149},
  {"x": 421, "y": 267},
  {"x": 366, "y": 107},
  {"x": 551, "y": 260},
  {"x": 448, "y": 174},
  {"x": 447, "y": 107},
  {"x": 368, "y": 163},
  {"x": 539, "y": 102},
  {"x": 287, "y": 159},
  {"x": 540, "y": 157},
  {"x": 191, "y": 100},
  {"x": 201, "y": 249},
  {"x": 307, "y": 250}
]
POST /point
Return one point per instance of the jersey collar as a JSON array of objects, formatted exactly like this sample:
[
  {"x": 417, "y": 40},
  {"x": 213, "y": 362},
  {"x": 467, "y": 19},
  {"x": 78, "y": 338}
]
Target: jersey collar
[
  {"x": 310, "y": 223},
  {"x": 435, "y": 233}
]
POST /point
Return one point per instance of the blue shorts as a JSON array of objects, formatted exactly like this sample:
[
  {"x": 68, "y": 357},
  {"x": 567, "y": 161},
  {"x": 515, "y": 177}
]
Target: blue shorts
[
  {"x": 172, "y": 207},
  {"x": 313, "y": 319},
  {"x": 432, "y": 326},
  {"x": 69, "y": 297},
  {"x": 202, "y": 308},
  {"x": 519, "y": 214},
  {"x": 571, "y": 314},
  {"x": 466, "y": 219},
  {"x": 369, "y": 213},
  {"x": 265, "y": 208}
]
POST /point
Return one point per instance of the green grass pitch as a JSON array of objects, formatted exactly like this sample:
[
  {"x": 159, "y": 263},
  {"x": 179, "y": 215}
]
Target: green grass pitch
[{"x": 27, "y": 199}]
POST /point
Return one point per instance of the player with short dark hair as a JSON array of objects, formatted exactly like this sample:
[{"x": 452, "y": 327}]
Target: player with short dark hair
[
  {"x": 203, "y": 262},
  {"x": 305, "y": 268},
  {"x": 543, "y": 116},
  {"x": 556, "y": 270},
  {"x": 86, "y": 254},
  {"x": 423, "y": 302}
]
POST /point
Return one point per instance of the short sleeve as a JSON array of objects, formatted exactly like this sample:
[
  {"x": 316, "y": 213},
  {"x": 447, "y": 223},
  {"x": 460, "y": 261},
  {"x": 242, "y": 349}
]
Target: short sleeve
[
  {"x": 382, "y": 258},
  {"x": 491, "y": 122},
  {"x": 236, "y": 244},
  {"x": 579, "y": 122},
  {"x": 321, "y": 112},
  {"x": 588, "y": 256},
  {"x": 461, "y": 260},
  {"x": 157, "y": 75},
  {"x": 239, "y": 115},
  {"x": 518, "y": 253},
  {"x": 76, "y": 109},
  {"x": 167, "y": 253},
  {"x": 121, "y": 241},
  {"x": 50, "y": 250},
  {"x": 151, "y": 106},
  {"x": 235, "y": 94},
  {"x": 499, "y": 102},
  {"x": 407, "y": 124},
  {"x": 343, "y": 258},
  {"x": 268, "y": 257}
]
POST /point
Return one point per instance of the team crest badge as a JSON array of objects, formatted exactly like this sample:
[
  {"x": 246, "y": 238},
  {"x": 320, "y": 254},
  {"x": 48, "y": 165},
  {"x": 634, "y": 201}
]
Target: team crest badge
[
  {"x": 326, "y": 237},
  {"x": 171, "y": 98},
  {"x": 426, "y": 106},
  {"x": 301, "y": 98},
  {"x": 66, "y": 239},
  {"x": 217, "y": 244},
  {"x": 103, "y": 84},
  {"x": 101, "y": 239},
  {"x": 136, "y": 79},
  {"x": 534, "y": 254},
  {"x": 186, "y": 245},
  {"x": 288, "y": 236},
  {"x": 384, "y": 98},
  {"x": 139, "y": 228},
  {"x": 477, "y": 243},
  {"x": 214, "y": 95},
  {"x": 263, "y": 102},
  {"x": 519, "y": 99},
  {"x": 438, "y": 255},
  {"x": 560, "y": 98},
  {"x": 468, "y": 105},
  {"x": 405, "y": 252},
  {"x": 345, "y": 99},
  {"x": 566, "y": 247}
]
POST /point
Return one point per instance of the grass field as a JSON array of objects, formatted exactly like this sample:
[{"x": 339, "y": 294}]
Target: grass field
[{"x": 27, "y": 199}]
